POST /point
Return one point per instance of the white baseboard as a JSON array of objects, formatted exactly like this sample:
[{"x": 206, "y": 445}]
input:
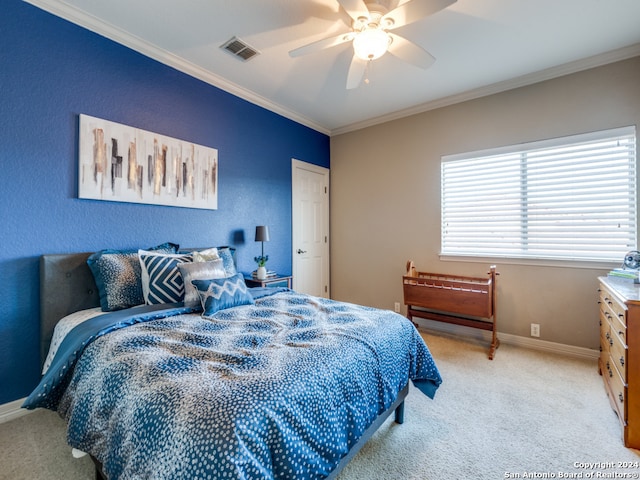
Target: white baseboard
[
  {"x": 12, "y": 410},
  {"x": 505, "y": 338}
]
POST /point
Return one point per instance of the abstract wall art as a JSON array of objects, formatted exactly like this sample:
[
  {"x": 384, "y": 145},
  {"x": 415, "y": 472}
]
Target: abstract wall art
[{"x": 126, "y": 164}]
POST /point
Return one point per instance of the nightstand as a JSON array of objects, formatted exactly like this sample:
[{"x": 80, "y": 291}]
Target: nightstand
[{"x": 277, "y": 281}]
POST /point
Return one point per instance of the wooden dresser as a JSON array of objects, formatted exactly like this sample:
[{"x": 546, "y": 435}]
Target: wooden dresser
[{"x": 619, "y": 362}]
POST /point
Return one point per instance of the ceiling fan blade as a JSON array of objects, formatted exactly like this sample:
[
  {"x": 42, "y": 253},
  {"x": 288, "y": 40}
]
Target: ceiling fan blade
[
  {"x": 321, "y": 44},
  {"x": 355, "y": 8},
  {"x": 413, "y": 11},
  {"x": 356, "y": 72},
  {"x": 410, "y": 52}
]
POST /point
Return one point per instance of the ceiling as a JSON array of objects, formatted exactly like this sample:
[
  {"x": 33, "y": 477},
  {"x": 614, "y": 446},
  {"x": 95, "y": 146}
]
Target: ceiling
[{"x": 481, "y": 47}]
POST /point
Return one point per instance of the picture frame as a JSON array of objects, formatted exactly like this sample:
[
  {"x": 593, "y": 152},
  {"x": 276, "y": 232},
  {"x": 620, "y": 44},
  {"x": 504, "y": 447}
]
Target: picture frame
[{"x": 120, "y": 163}]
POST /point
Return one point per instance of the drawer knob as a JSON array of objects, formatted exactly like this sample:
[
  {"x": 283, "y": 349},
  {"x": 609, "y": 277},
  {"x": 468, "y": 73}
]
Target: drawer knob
[
  {"x": 620, "y": 397},
  {"x": 621, "y": 333},
  {"x": 622, "y": 361}
]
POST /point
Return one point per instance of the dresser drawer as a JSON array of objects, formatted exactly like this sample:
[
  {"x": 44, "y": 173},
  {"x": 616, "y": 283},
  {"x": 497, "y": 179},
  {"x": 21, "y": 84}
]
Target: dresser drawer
[
  {"x": 618, "y": 352},
  {"x": 612, "y": 306},
  {"x": 619, "y": 328},
  {"x": 605, "y": 334},
  {"x": 618, "y": 391}
]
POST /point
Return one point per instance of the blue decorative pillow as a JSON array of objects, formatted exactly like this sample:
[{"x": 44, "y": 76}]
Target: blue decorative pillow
[
  {"x": 198, "y": 271},
  {"x": 221, "y": 293},
  {"x": 118, "y": 276},
  {"x": 226, "y": 254},
  {"x": 161, "y": 279}
]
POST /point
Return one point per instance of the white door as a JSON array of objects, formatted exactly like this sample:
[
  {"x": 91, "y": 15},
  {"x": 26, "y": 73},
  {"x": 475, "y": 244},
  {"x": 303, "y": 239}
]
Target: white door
[{"x": 310, "y": 236}]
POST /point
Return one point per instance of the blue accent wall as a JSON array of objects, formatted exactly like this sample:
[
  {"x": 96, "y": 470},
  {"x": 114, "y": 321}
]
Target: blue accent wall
[{"x": 50, "y": 72}]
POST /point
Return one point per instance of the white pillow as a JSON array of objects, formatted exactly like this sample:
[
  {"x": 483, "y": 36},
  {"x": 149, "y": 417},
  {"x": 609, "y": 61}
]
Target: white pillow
[
  {"x": 63, "y": 327},
  {"x": 205, "y": 255}
]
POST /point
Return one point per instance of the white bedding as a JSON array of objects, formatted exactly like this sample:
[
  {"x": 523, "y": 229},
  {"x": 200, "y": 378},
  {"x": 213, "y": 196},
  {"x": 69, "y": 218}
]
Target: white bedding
[{"x": 63, "y": 327}]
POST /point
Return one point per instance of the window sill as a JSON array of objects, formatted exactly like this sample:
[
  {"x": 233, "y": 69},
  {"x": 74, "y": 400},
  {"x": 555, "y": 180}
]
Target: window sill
[{"x": 536, "y": 262}]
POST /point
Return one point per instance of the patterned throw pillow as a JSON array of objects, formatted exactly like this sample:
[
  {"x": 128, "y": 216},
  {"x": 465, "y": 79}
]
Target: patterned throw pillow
[
  {"x": 226, "y": 254},
  {"x": 221, "y": 293},
  {"x": 199, "y": 271},
  {"x": 118, "y": 276},
  {"x": 161, "y": 279}
]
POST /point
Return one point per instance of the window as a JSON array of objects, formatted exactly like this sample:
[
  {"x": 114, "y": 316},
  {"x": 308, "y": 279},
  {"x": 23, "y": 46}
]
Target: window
[{"x": 571, "y": 198}]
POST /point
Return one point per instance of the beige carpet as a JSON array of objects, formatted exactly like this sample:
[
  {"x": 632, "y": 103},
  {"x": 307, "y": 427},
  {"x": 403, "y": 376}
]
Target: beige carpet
[{"x": 525, "y": 413}]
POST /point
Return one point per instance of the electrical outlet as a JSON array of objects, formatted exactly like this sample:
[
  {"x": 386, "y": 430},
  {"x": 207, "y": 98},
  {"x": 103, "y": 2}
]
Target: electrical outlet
[
  {"x": 535, "y": 330},
  {"x": 396, "y": 307}
]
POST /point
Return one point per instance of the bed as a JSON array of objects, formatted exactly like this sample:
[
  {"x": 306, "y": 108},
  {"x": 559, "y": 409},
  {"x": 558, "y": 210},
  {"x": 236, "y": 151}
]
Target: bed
[{"x": 276, "y": 385}]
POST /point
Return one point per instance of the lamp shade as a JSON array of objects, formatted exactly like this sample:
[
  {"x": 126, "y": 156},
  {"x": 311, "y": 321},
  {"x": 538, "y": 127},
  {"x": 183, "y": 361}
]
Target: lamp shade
[{"x": 262, "y": 233}]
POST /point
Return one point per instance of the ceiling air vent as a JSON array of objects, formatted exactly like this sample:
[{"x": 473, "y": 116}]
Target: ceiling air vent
[{"x": 239, "y": 49}]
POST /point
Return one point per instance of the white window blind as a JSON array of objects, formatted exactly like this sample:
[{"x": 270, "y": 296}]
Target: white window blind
[{"x": 571, "y": 198}]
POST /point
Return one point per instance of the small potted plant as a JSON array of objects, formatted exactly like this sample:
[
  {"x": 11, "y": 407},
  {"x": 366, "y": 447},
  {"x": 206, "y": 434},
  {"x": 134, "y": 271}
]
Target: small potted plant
[{"x": 261, "y": 260}]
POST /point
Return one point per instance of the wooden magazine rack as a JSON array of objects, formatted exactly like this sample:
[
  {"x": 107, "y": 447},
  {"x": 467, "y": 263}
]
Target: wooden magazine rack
[{"x": 455, "y": 299}]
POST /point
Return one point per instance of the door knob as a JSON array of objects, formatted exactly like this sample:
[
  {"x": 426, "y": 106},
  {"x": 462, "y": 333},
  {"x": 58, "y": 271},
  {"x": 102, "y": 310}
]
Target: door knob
[{"x": 301, "y": 251}]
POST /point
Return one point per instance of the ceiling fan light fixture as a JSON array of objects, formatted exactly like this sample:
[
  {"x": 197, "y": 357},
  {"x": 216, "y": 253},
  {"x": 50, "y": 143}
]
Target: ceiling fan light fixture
[{"x": 371, "y": 43}]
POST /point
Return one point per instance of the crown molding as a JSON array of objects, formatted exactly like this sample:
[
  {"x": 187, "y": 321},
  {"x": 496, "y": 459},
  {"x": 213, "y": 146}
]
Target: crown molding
[
  {"x": 152, "y": 51},
  {"x": 522, "y": 81}
]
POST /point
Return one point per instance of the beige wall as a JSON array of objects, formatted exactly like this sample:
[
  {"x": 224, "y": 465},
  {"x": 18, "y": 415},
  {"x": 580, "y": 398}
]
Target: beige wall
[{"x": 385, "y": 197}]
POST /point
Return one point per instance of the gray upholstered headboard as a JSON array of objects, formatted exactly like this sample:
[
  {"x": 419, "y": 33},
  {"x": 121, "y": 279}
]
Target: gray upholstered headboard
[{"x": 66, "y": 286}]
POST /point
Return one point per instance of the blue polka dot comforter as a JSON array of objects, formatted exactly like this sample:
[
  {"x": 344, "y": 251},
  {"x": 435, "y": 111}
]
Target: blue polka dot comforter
[{"x": 280, "y": 389}]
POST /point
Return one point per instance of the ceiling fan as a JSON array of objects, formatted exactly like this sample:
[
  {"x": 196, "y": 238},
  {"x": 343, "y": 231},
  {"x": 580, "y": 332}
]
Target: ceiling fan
[{"x": 372, "y": 37}]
